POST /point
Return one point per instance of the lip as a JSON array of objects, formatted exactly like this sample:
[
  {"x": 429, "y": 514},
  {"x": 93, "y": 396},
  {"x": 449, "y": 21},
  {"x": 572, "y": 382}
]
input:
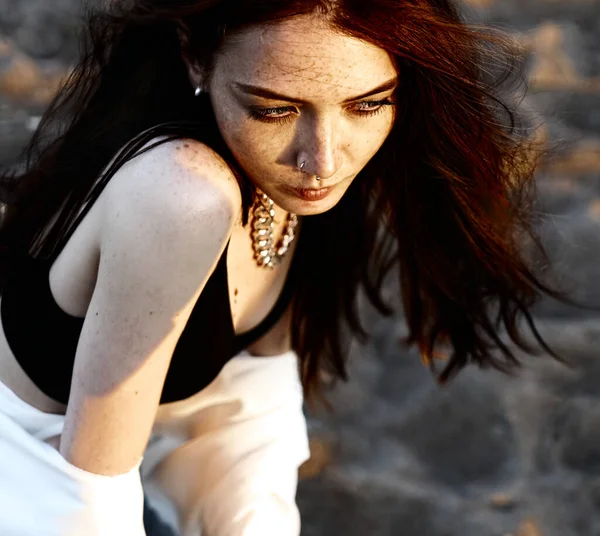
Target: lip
[{"x": 312, "y": 194}]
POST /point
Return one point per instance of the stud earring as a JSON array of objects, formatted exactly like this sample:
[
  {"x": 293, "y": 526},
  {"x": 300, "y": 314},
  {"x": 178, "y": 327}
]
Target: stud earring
[{"x": 198, "y": 91}]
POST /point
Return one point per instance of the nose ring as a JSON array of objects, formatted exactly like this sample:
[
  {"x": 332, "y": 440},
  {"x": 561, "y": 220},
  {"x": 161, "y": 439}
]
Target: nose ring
[{"x": 302, "y": 169}]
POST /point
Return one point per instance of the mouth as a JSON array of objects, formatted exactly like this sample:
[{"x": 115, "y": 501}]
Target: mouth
[{"x": 311, "y": 194}]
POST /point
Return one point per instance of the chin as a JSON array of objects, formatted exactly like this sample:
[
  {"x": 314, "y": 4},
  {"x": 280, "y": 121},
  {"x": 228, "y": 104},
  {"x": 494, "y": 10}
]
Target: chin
[{"x": 312, "y": 210}]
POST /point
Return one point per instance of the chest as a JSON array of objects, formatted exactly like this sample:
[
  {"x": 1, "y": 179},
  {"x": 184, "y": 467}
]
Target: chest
[{"x": 253, "y": 289}]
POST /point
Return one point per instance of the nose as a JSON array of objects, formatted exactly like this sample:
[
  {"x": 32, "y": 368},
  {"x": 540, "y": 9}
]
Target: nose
[{"x": 320, "y": 148}]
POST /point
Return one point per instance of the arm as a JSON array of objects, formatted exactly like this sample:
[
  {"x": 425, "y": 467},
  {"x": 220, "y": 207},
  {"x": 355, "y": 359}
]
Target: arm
[{"x": 165, "y": 223}]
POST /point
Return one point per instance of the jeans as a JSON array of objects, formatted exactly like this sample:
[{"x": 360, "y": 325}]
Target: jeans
[{"x": 154, "y": 525}]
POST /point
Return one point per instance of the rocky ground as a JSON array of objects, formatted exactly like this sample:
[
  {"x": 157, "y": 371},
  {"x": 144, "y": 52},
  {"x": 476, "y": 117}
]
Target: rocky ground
[{"x": 488, "y": 455}]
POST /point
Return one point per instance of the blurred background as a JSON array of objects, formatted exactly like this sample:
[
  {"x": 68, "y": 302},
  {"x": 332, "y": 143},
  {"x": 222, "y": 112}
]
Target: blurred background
[{"x": 487, "y": 455}]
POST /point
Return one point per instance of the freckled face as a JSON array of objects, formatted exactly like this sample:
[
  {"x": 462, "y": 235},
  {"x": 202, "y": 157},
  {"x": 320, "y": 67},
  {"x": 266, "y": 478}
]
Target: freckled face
[{"x": 296, "y": 92}]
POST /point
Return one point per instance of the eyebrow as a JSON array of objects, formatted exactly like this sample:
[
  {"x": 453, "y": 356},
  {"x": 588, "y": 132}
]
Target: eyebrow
[{"x": 268, "y": 94}]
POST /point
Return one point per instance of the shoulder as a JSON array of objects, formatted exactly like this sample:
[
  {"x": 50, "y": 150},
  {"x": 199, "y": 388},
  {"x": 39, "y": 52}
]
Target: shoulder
[
  {"x": 179, "y": 197},
  {"x": 178, "y": 175}
]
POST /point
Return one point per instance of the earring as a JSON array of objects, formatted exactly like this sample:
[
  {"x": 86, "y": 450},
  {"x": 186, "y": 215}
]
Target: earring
[{"x": 198, "y": 91}]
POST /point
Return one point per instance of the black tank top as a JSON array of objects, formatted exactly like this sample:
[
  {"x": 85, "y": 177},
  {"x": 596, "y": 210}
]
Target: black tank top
[{"x": 43, "y": 338}]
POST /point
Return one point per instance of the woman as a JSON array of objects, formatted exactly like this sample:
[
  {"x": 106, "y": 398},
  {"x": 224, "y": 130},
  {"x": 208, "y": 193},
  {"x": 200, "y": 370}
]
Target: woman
[{"x": 201, "y": 204}]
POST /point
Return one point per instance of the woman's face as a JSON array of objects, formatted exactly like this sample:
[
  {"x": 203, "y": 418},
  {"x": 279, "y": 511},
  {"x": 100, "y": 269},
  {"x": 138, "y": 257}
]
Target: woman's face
[{"x": 300, "y": 92}]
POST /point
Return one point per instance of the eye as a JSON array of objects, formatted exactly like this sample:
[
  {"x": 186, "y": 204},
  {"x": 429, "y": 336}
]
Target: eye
[
  {"x": 281, "y": 115},
  {"x": 370, "y": 108},
  {"x": 285, "y": 114}
]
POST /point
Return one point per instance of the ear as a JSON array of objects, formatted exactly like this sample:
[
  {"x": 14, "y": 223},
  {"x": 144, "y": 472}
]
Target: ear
[{"x": 196, "y": 73}]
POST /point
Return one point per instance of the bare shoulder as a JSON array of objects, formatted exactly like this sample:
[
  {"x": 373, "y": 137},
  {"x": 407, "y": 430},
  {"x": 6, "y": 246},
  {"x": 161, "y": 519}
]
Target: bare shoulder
[
  {"x": 173, "y": 207},
  {"x": 175, "y": 180},
  {"x": 188, "y": 158}
]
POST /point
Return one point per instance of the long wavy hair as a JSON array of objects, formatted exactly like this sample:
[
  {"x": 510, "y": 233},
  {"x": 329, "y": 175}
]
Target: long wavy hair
[{"x": 446, "y": 200}]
